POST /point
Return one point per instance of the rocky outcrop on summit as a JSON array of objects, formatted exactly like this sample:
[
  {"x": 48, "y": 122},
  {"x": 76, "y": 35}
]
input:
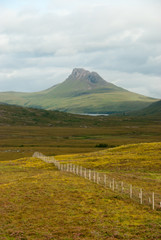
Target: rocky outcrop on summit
[
  {"x": 81, "y": 74},
  {"x": 84, "y": 75}
]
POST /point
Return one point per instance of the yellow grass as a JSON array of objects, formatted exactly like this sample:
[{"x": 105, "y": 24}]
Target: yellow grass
[
  {"x": 139, "y": 164},
  {"x": 39, "y": 202}
]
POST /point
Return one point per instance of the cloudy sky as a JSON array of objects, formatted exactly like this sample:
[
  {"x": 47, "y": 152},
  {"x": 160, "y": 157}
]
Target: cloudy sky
[{"x": 41, "y": 41}]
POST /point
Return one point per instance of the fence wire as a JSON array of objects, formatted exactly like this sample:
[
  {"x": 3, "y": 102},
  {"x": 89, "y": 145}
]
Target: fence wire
[{"x": 137, "y": 194}]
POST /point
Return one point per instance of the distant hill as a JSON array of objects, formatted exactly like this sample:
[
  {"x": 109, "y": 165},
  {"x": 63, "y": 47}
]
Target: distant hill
[
  {"x": 153, "y": 109},
  {"x": 81, "y": 92},
  {"x": 12, "y": 115},
  {"x": 17, "y": 115}
]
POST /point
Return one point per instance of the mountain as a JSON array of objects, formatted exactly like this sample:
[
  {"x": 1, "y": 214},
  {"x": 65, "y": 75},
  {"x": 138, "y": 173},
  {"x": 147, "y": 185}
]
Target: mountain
[{"x": 81, "y": 92}]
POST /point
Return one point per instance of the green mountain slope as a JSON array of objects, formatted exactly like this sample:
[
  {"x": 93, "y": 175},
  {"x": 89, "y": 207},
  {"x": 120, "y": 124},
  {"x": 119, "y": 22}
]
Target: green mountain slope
[
  {"x": 153, "y": 109},
  {"x": 81, "y": 92}
]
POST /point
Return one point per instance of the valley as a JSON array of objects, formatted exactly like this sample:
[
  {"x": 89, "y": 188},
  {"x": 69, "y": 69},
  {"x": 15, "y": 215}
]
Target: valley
[{"x": 38, "y": 201}]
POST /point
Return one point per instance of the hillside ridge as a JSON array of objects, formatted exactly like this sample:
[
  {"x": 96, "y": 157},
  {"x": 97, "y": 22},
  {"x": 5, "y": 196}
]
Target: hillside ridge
[{"x": 153, "y": 109}]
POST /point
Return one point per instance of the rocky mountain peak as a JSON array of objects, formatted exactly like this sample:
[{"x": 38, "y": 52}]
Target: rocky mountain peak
[
  {"x": 87, "y": 76},
  {"x": 79, "y": 73}
]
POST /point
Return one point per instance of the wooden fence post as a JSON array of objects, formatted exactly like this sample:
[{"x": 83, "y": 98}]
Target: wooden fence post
[
  {"x": 141, "y": 196},
  {"x": 113, "y": 184},
  {"x": 122, "y": 187},
  {"x": 94, "y": 177},
  {"x": 105, "y": 180},
  {"x": 89, "y": 174},
  {"x": 81, "y": 171},
  {"x": 97, "y": 178},
  {"x": 85, "y": 173},
  {"x": 153, "y": 201}
]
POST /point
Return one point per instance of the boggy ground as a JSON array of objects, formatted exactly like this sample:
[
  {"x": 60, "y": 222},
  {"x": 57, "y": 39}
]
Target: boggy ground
[
  {"x": 39, "y": 202},
  {"x": 21, "y": 141}
]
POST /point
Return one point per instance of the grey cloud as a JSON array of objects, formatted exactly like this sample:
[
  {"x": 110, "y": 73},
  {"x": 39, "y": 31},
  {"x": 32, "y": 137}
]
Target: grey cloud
[
  {"x": 16, "y": 79},
  {"x": 109, "y": 36},
  {"x": 135, "y": 82}
]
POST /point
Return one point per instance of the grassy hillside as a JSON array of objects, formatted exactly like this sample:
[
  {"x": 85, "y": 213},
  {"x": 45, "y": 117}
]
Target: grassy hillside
[
  {"x": 138, "y": 164},
  {"x": 23, "y": 116},
  {"x": 82, "y": 92},
  {"x": 19, "y": 116},
  {"x": 16, "y": 115},
  {"x": 39, "y": 202},
  {"x": 154, "y": 110}
]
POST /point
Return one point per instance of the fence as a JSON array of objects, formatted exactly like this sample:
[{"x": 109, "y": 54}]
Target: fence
[{"x": 137, "y": 194}]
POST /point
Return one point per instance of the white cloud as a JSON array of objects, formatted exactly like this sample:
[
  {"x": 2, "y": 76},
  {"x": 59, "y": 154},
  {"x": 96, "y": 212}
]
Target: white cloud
[{"x": 38, "y": 40}]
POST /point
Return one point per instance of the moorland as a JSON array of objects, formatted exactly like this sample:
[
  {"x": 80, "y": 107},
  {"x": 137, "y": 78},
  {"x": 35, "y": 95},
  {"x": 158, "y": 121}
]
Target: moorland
[
  {"x": 39, "y": 202},
  {"x": 24, "y": 131}
]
